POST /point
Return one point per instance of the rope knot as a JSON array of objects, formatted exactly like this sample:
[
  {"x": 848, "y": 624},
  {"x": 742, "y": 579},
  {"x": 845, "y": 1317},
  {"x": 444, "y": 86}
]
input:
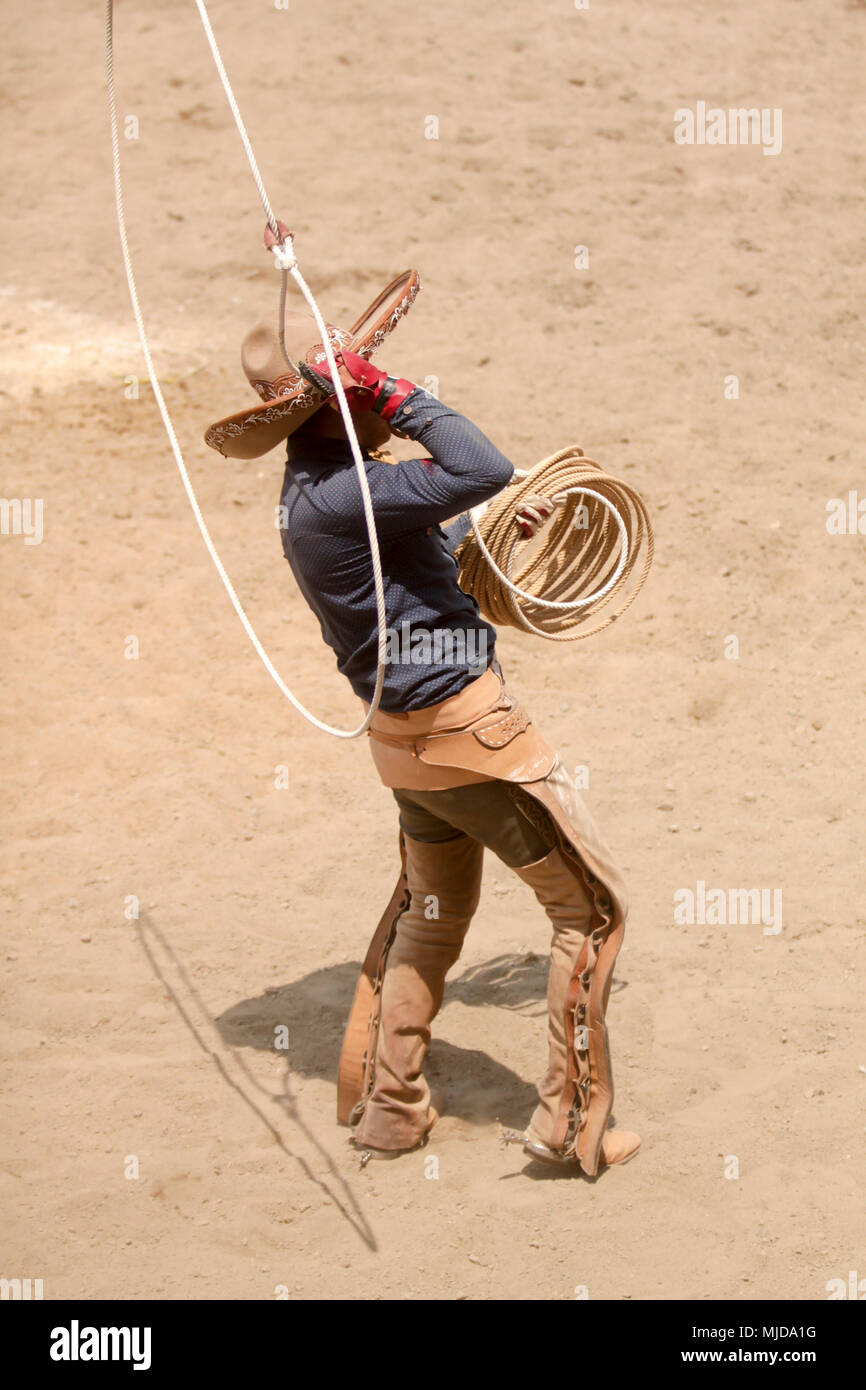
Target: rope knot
[
  {"x": 284, "y": 257},
  {"x": 282, "y": 247}
]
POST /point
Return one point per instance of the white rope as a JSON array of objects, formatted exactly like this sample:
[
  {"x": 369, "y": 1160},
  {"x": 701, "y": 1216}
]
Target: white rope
[
  {"x": 286, "y": 263},
  {"x": 235, "y": 109}
]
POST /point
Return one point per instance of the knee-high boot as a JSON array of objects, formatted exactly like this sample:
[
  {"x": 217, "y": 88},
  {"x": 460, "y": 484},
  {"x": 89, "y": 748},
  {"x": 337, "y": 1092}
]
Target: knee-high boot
[
  {"x": 444, "y": 885},
  {"x": 558, "y": 887}
]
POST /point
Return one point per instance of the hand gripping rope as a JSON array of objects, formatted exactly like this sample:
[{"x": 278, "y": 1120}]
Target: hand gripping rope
[{"x": 285, "y": 260}]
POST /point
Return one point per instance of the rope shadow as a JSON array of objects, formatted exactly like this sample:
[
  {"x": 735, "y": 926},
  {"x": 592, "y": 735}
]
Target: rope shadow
[{"x": 349, "y": 1208}]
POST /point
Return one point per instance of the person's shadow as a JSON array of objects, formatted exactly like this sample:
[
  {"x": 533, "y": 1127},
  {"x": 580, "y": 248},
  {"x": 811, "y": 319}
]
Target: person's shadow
[{"x": 312, "y": 1014}]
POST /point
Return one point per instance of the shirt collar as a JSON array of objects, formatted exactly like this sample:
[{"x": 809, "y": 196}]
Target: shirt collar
[{"x": 310, "y": 454}]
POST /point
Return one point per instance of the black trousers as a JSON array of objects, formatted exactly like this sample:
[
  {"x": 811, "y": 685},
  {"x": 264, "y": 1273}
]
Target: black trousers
[{"x": 498, "y": 814}]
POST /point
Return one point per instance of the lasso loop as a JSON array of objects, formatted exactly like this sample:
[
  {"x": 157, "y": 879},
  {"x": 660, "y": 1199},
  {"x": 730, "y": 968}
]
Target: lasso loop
[{"x": 287, "y": 264}]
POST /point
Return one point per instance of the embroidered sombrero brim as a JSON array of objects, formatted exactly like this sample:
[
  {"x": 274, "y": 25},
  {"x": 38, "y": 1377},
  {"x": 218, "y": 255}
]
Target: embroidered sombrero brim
[{"x": 250, "y": 433}]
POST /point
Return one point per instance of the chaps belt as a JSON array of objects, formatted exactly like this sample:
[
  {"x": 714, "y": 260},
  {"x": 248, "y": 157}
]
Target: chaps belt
[{"x": 502, "y": 743}]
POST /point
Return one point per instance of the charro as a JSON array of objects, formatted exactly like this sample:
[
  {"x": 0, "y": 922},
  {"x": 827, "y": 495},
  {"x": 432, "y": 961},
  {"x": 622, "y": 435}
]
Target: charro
[{"x": 467, "y": 766}]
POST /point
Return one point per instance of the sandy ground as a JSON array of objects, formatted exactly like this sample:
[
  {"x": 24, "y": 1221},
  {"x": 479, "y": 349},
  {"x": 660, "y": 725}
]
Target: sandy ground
[{"x": 155, "y": 1143}]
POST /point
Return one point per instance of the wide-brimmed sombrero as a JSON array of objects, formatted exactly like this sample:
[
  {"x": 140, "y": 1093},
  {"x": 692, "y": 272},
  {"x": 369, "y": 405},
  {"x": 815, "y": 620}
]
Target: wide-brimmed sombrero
[{"x": 286, "y": 398}]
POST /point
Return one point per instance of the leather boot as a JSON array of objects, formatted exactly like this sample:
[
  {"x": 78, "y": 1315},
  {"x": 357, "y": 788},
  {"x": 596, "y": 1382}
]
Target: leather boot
[
  {"x": 559, "y": 890},
  {"x": 445, "y": 884}
]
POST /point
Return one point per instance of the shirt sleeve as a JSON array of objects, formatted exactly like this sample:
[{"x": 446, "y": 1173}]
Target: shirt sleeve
[{"x": 463, "y": 469}]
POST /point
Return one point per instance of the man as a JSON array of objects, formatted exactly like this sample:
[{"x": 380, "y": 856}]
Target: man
[{"x": 467, "y": 767}]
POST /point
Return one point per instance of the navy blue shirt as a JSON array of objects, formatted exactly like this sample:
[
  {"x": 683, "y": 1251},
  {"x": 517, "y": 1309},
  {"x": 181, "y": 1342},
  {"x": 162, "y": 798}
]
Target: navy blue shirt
[{"x": 437, "y": 640}]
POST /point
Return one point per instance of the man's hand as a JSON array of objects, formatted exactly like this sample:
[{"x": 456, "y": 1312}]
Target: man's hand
[
  {"x": 532, "y": 513},
  {"x": 366, "y": 387}
]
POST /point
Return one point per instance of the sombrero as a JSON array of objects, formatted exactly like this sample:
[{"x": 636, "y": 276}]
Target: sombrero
[{"x": 286, "y": 398}]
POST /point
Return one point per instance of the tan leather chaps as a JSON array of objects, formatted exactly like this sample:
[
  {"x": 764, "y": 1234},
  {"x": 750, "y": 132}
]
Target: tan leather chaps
[{"x": 478, "y": 735}]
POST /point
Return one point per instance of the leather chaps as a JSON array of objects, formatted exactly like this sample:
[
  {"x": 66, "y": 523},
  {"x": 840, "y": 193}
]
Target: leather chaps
[{"x": 481, "y": 734}]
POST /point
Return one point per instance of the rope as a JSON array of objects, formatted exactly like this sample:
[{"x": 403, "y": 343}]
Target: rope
[
  {"x": 235, "y": 110},
  {"x": 285, "y": 260},
  {"x": 599, "y": 536}
]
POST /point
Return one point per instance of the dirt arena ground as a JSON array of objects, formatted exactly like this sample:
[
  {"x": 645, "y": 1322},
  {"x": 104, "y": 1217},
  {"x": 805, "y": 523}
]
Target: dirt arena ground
[{"x": 155, "y": 1142}]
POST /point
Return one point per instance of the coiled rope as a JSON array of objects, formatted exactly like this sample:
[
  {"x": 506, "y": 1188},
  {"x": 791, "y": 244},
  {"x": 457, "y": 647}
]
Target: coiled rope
[
  {"x": 597, "y": 548},
  {"x": 286, "y": 263}
]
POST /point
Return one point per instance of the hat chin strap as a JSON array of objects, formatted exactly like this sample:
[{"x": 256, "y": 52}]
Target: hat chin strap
[
  {"x": 278, "y": 250},
  {"x": 281, "y": 325},
  {"x": 315, "y": 378}
]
